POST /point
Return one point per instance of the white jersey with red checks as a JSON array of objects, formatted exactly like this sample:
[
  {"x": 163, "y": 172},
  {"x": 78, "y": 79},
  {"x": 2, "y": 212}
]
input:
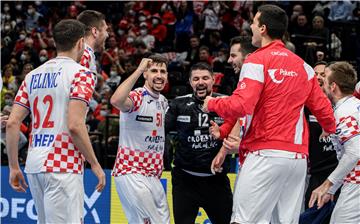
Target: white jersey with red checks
[
  {"x": 142, "y": 135},
  {"x": 46, "y": 92},
  {"x": 347, "y": 115},
  {"x": 88, "y": 59}
]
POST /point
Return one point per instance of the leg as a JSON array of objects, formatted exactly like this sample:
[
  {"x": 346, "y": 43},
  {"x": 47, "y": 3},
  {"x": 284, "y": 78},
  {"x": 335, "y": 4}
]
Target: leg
[
  {"x": 64, "y": 198},
  {"x": 143, "y": 199},
  {"x": 288, "y": 208},
  {"x": 259, "y": 187},
  {"x": 37, "y": 192},
  {"x": 348, "y": 205},
  {"x": 217, "y": 199},
  {"x": 185, "y": 199}
]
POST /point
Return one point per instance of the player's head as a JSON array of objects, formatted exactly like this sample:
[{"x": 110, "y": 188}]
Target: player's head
[
  {"x": 240, "y": 47},
  {"x": 270, "y": 21},
  {"x": 96, "y": 27},
  {"x": 69, "y": 36},
  {"x": 319, "y": 69},
  {"x": 340, "y": 80},
  {"x": 156, "y": 75},
  {"x": 201, "y": 80}
]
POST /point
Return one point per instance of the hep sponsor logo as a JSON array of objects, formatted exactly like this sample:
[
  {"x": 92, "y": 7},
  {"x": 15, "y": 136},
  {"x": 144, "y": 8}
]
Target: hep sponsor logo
[{"x": 278, "y": 75}]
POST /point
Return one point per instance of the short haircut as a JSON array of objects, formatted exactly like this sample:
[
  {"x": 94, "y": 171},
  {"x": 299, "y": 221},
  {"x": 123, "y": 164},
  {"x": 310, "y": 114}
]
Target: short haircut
[
  {"x": 67, "y": 33},
  {"x": 320, "y": 63},
  {"x": 245, "y": 44},
  {"x": 203, "y": 47},
  {"x": 159, "y": 59},
  {"x": 91, "y": 18},
  {"x": 201, "y": 66},
  {"x": 344, "y": 75},
  {"x": 275, "y": 20}
]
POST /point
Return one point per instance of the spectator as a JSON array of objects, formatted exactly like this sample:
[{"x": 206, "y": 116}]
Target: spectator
[
  {"x": 204, "y": 55},
  {"x": 32, "y": 18},
  {"x": 158, "y": 30},
  {"x": 341, "y": 10},
  {"x": 43, "y": 56},
  {"x": 148, "y": 39},
  {"x": 216, "y": 44}
]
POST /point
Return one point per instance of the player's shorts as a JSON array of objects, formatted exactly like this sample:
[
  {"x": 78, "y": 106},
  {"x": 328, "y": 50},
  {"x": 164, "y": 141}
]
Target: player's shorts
[
  {"x": 347, "y": 208},
  {"x": 58, "y": 197},
  {"x": 143, "y": 199},
  {"x": 270, "y": 187}
]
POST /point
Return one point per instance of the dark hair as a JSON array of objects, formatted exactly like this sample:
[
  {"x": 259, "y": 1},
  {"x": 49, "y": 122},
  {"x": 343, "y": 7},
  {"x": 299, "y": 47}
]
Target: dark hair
[
  {"x": 201, "y": 66},
  {"x": 91, "y": 18},
  {"x": 66, "y": 33},
  {"x": 159, "y": 59},
  {"x": 344, "y": 75},
  {"x": 320, "y": 63},
  {"x": 203, "y": 47},
  {"x": 245, "y": 44},
  {"x": 275, "y": 20}
]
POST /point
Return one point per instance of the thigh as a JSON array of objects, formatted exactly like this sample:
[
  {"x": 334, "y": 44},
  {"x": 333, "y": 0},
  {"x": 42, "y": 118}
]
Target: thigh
[
  {"x": 218, "y": 199},
  {"x": 258, "y": 188},
  {"x": 37, "y": 192},
  {"x": 347, "y": 208},
  {"x": 185, "y": 199},
  {"x": 64, "y": 198},
  {"x": 288, "y": 207},
  {"x": 143, "y": 199}
]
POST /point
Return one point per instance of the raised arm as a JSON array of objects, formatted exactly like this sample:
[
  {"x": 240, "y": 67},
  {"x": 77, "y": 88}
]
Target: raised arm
[{"x": 120, "y": 98}]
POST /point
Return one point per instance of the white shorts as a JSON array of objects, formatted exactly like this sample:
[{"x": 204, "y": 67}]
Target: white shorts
[
  {"x": 58, "y": 197},
  {"x": 270, "y": 187},
  {"x": 143, "y": 199},
  {"x": 347, "y": 208}
]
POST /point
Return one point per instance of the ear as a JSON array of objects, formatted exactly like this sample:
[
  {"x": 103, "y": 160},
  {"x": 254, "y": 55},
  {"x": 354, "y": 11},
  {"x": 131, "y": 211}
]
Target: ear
[
  {"x": 263, "y": 28},
  {"x": 94, "y": 31}
]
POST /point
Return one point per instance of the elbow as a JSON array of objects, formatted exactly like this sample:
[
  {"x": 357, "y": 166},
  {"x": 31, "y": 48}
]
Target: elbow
[
  {"x": 74, "y": 128},
  {"x": 12, "y": 124},
  {"x": 114, "y": 101}
]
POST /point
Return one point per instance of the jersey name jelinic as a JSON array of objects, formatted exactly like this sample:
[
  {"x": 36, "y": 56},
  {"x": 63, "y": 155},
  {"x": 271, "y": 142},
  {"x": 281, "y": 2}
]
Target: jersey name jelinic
[
  {"x": 46, "y": 92},
  {"x": 142, "y": 135}
]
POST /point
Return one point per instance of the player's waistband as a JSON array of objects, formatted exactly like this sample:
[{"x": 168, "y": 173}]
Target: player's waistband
[{"x": 279, "y": 154}]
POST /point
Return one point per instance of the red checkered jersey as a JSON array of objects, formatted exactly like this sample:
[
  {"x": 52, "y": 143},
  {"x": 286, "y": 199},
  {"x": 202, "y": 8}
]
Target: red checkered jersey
[
  {"x": 357, "y": 90},
  {"x": 142, "y": 135},
  {"x": 347, "y": 115},
  {"x": 275, "y": 86},
  {"x": 46, "y": 92},
  {"x": 88, "y": 59}
]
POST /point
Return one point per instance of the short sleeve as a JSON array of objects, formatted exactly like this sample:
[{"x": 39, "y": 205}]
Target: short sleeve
[
  {"x": 136, "y": 97},
  {"x": 22, "y": 96},
  {"x": 347, "y": 128},
  {"x": 83, "y": 86}
]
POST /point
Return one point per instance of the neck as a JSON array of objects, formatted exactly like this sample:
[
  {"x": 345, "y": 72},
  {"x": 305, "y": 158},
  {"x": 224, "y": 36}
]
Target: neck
[
  {"x": 339, "y": 97},
  {"x": 90, "y": 41},
  {"x": 69, "y": 54},
  {"x": 266, "y": 40}
]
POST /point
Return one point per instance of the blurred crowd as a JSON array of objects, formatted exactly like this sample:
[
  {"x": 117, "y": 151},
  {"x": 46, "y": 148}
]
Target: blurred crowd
[{"x": 185, "y": 32}]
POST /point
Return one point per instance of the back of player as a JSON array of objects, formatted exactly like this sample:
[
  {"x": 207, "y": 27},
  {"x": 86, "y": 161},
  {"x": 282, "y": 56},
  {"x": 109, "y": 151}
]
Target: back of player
[{"x": 54, "y": 165}]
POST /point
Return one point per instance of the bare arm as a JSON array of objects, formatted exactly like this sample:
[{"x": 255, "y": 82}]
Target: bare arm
[
  {"x": 16, "y": 179},
  {"x": 120, "y": 98},
  {"x": 79, "y": 134}
]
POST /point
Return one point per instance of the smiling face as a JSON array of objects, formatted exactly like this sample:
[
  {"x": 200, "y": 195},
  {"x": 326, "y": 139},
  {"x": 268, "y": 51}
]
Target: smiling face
[
  {"x": 156, "y": 77},
  {"x": 256, "y": 37},
  {"x": 328, "y": 87},
  {"x": 320, "y": 74},
  {"x": 101, "y": 36},
  {"x": 236, "y": 58},
  {"x": 201, "y": 82}
]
